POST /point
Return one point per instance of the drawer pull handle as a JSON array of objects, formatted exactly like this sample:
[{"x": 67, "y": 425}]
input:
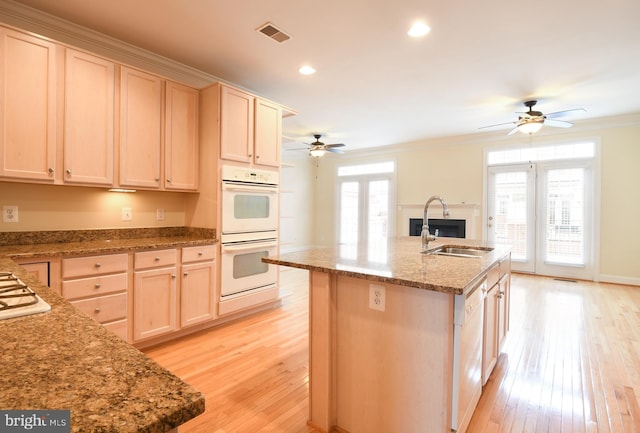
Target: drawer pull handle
[
  {"x": 185, "y": 274},
  {"x": 157, "y": 259},
  {"x": 97, "y": 310},
  {"x": 98, "y": 285},
  {"x": 98, "y": 265},
  {"x": 200, "y": 253}
]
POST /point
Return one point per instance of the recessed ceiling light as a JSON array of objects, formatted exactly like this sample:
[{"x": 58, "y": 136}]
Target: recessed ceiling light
[
  {"x": 307, "y": 70},
  {"x": 418, "y": 29}
]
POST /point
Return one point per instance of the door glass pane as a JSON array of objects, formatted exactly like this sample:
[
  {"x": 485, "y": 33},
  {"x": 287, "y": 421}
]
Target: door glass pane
[
  {"x": 510, "y": 212},
  {"x": 250, "y": 206},
  {"x": 248, "y": 264},
  {"x": 564, "y": 220},
  {"x": 378, "y": 220},
  {"x": 349, "y": 212}
]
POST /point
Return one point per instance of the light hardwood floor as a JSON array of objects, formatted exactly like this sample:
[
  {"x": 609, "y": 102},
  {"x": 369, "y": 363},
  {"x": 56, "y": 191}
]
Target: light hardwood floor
[{"x": 570, "y": 364}]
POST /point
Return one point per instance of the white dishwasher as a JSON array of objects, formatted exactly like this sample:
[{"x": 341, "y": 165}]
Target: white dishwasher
[{"x": 467, "y": 356}]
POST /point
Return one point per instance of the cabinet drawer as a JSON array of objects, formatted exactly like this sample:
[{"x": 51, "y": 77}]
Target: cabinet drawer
[
  {"x": 154, "y": 259},
  {"x": 493, "y": 276},
  {"x": 104, "y": 308},
  {"x": 200, "y": 253},
  {"x": 94, "y": 265},
  {"x": 119, "y": 327},
  {"x": 94, "y": 286},
  {"x": 505, "y": 266}
]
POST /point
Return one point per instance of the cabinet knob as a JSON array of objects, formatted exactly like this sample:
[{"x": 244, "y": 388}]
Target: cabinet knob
[
  {"x": 200, "y": 253},
  {"x": 98, "y": 285},
  {"x": 185, "y": 274},
  {"x": 97, "y": 310},
  {"x": 257, "y": 156},
  {"x": 173, "y": 275},
  {"x": 168, "y": 180},
  {"x": 250, "y": 155},
  {"x": 98, "y": 264},
  {"x": 157, "y": 179},
  {"x": 68, "y": 171},
  {"x": 51, "y": 170}
]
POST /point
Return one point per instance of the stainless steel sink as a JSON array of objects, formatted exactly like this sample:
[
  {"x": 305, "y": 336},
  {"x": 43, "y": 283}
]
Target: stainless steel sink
[{"x": 461, "y": 251}]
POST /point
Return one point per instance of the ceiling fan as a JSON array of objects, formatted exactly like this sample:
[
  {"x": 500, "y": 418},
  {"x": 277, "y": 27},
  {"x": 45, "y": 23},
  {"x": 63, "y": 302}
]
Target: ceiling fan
[
  {"x": 530, "y": 122},
  {"x": 318, "y": 148}
]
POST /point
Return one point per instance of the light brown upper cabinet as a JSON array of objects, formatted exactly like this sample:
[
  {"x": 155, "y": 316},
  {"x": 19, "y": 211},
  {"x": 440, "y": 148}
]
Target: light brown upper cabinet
[
  {"x": 268, "y": 135},
  {"x": 140, "y": 129},
  {"x": 88, "y": 119},
  {"x": 28, "y": 83},
  {"x": 181, "y": 137},
  {"x": 236, "y": 124},
  {"x": 249, "y": 128}
]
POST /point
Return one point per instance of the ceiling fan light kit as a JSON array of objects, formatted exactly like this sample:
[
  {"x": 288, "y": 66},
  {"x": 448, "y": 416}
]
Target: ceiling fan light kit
[
  {"x": 317, "y": 152},
  {"x": 530, "y": 127}
]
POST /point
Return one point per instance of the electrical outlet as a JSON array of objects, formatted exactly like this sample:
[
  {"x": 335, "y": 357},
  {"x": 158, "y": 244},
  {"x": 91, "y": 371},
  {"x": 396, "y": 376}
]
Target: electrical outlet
[
  {"x": 159, "y": 214},
  {"x": 377, "y": 298},
  {"x": 127, "y": 214},
  {"x": 9, "y": 214}
]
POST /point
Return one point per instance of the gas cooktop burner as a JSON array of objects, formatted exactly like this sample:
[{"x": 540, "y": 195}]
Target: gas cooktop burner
[{"x": 18, "y": 299}]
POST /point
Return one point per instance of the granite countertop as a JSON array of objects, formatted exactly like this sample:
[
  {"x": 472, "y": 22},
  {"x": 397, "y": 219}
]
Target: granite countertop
[
  {"x": 400, "y": 262},
  {"x": 87, "y": 242},
  {"x": 63, "y": 359}
]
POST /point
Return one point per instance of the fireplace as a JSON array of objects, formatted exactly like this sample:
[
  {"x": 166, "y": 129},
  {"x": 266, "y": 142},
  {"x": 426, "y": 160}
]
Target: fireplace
[{"x": 447, "y": 228}]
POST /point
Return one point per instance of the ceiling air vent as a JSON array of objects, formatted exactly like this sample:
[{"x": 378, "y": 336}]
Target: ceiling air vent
[{"x": 273, "y": 32}]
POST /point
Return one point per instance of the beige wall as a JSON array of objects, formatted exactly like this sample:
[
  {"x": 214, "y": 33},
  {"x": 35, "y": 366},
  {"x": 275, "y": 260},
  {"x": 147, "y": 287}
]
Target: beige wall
[
  {"x": 52, "y": 207},
  {"x": 455, "y": 171}
]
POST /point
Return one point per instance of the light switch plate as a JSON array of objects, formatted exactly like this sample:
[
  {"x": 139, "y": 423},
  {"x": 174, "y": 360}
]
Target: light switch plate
[{"x": 10, "y": 214}]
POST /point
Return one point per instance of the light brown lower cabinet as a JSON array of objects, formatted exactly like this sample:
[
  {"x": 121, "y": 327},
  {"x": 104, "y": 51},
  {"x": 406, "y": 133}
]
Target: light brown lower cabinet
[
  {"x": 197, "y": 294},
  {"x": 98, "y": 286},
  {"x": 154, "y": 293}
]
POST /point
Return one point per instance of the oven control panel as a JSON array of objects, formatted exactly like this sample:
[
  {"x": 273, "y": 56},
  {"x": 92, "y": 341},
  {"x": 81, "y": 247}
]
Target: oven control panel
[{"x": 249, "y": 175}]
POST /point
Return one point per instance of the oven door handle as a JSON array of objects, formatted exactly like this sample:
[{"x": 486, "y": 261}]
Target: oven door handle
[
  {"x": 247, "y": 247},
  {"x": 248, "y": 188}
]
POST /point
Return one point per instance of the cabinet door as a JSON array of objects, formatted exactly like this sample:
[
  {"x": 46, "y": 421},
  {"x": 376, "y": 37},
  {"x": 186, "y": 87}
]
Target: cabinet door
[
  {"x": 503, "y": 308},
  {"x": 268, "y": 122},
  {"x": 236, "y": 125},
  {"x": 490, "y": 334},
  {"x": 88, "y": 119},
  {"x": 154, "y": 302},
  {"x": 27, "y": 107},
  {"x": 140, "y": 127},
  {"x": 197, "y": 293},
  {"x": 181, "y": 137}
]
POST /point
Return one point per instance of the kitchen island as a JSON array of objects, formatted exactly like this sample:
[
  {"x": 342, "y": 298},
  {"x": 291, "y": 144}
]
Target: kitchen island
[{"x": 396, "y": 336}]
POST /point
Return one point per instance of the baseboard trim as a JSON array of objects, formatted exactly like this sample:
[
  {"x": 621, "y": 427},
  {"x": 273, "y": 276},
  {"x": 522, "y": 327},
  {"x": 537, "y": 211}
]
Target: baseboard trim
[{"x": 617, "y": 279}]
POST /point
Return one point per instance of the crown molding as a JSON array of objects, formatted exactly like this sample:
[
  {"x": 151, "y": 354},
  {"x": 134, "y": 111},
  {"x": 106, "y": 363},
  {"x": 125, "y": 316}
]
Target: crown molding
[{"x": 59, "y": 30}]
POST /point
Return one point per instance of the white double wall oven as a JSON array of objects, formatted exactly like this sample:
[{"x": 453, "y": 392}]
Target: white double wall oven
[{"x": 249, "y": 232}]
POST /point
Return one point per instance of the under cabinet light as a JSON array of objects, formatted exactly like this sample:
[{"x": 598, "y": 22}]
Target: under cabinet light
[{"x": 121, "y": 190}]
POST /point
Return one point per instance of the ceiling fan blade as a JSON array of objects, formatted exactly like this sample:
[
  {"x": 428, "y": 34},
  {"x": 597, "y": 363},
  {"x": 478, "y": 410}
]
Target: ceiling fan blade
[
  {"x": 328, "y": 146},
  {"x": 333, "y": 149},
  {"x": 513, "y": 131},
  {"x": 557, "y": 114},
  {"x": 498, "y": 124},
  {"x": 299, "y": 148},
  {"x": 558, "y": 123}
]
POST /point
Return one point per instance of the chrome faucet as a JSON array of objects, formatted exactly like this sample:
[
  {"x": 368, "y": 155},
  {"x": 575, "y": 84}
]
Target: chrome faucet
[{"x": 425, "y": 235}]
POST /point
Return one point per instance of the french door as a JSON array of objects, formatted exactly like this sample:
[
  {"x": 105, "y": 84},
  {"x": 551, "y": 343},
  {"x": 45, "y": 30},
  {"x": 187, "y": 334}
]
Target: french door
[
  {"x": 544, "y": 211},
  {"x": 364, "y": 209}
]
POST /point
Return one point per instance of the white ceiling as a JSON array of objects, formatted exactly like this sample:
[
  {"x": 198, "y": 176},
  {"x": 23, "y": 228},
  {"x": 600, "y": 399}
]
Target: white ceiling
[{"x": 376, "y": 86}]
